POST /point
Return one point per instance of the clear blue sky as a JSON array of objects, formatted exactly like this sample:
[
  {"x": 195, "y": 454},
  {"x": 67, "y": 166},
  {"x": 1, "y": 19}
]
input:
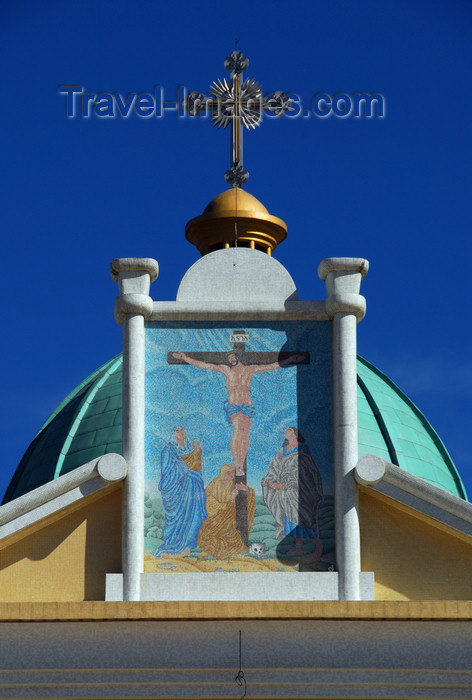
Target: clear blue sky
[{"x": 78, "y": 192}]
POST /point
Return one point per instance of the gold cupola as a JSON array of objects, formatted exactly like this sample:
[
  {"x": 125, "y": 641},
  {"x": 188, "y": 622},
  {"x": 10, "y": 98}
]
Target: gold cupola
[{"x": 235, "y": 218}]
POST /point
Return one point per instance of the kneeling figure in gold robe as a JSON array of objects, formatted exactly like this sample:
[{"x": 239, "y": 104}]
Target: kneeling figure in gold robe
[{"x": 218, "y": 535}]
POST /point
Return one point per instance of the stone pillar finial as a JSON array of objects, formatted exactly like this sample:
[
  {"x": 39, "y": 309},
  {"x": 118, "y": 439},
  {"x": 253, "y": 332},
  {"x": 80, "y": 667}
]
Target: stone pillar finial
[
  {"x": 134, "y": 277},
  {"x": 343, "y": 278},
  {"x": 132, "y": 307},
  {"x": 346, "y": 307}
]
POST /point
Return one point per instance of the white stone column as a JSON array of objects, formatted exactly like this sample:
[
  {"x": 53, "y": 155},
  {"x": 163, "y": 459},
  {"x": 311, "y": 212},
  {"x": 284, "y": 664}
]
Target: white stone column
[
  {"x": 132, "y": 306},
  {"x": 346, "y": 307}
]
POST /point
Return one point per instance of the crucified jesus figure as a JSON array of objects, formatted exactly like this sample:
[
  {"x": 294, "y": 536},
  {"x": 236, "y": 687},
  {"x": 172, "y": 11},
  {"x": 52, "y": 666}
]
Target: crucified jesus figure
[{"x": 239, "y": 408}]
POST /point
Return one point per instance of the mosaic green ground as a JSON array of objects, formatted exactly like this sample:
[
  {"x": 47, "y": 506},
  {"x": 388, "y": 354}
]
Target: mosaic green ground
[{"x": 87, "y": 424}]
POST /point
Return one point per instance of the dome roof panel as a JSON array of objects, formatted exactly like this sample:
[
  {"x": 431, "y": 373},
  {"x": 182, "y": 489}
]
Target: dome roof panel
[
  {"x": 423, "y": 453},
  {"x": 76, "y": 459}
]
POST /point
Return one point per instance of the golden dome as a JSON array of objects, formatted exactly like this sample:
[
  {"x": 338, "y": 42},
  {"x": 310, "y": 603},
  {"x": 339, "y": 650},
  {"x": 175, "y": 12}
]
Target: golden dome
[
  {"x": 232, "y": 214},
  {"x": 226, "y": 202}
]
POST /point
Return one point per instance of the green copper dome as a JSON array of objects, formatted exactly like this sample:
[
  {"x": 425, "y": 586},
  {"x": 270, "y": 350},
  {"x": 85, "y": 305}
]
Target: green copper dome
[
  {"x": 87, "y": 424},
  {"x": 392, "y": 427}
]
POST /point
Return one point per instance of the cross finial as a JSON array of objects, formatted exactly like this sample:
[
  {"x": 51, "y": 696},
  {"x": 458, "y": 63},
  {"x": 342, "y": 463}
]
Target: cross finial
[{"x": 237, "y": 103}]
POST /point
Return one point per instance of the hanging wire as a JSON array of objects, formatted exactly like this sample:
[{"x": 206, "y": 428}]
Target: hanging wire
[
  {"x": 240, "y": 680},
  {"x": 236, "y": 219}
]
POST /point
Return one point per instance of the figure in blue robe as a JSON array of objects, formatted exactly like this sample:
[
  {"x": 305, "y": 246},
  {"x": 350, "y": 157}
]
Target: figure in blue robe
[{"x": 183, "y": 495}]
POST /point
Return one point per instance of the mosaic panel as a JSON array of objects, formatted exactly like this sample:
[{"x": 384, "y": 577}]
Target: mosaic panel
[{"x": 239, "y": 473}]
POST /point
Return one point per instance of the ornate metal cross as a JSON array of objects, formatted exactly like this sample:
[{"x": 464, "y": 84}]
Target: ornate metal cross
[{"x": 239, "y": 103}]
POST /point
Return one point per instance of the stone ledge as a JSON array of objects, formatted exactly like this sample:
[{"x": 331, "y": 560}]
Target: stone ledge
[
  {"x": 447, "y": 610},
  {"x": 38, "y": 507}
]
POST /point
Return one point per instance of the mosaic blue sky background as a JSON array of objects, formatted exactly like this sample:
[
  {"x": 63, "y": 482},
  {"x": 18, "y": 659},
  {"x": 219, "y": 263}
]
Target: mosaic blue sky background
[{"x": 78, "y": 192}]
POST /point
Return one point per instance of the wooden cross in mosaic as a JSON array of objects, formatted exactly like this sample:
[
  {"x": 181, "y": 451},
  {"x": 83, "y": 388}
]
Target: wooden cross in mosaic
[{"x": 238, "y": 368}]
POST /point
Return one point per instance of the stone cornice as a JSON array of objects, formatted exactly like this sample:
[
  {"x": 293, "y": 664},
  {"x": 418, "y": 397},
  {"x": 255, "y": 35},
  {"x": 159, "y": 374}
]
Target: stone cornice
[
  {"x": 66, "y": 490},
  {"x": 451, "y": 610},
  {"x": 386, "y": 479}
]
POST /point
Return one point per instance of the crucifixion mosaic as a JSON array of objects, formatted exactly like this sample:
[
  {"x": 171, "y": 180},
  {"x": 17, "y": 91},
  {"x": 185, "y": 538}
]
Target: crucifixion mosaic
[{"x": 238, "y": 453}]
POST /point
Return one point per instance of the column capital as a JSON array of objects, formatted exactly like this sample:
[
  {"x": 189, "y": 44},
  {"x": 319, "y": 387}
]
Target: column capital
[
  {"x": 134, "y": 277},
  {"x": 343, "y": 278},
  {"x": 120, "y": 265},
  {"x": 345, "y": 265}
]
